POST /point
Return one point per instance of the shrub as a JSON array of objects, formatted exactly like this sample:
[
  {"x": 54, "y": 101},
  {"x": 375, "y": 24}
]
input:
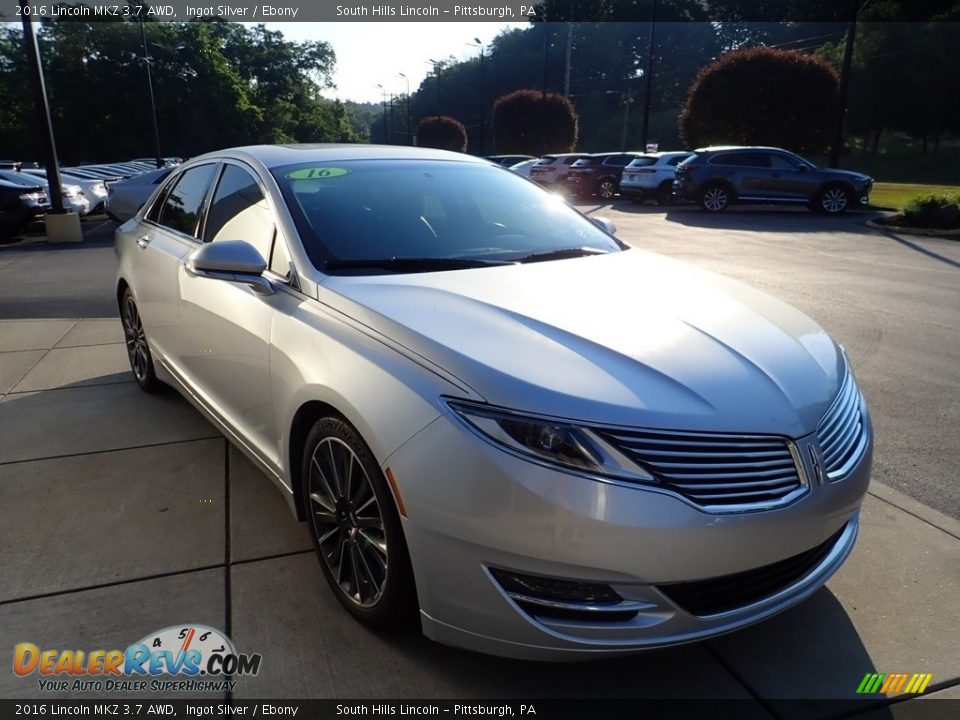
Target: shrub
[
  {"x": 762, "y": 96},
  {"x": 443, "y": 133},
  {"x": 528, "y": 123},
  {"x": 936, "y": 211}
]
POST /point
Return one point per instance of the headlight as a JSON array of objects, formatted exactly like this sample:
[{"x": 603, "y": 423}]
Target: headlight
[{"x": 550, "y": 441}]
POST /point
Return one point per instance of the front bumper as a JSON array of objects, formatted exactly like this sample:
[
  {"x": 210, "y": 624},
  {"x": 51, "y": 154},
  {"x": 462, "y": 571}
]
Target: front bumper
[{"x": 473, "y": 507}]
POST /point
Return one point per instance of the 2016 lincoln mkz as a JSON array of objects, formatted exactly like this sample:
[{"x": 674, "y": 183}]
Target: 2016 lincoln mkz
[{"x": 489, "y": 409}]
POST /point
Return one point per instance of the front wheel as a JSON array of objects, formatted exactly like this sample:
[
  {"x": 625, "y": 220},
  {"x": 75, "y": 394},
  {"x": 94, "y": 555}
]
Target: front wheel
[
  {"x": 606, "y": 189},
  {"x": 355, "y": 526},
  {"x": 664, "y": 195},
  {"x": 138, "y": 351},
  {"x": 833, "y": 200}
]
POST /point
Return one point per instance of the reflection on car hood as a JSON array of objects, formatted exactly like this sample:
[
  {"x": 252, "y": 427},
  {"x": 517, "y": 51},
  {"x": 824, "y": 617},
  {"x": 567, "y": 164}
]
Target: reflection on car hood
[
  {"x": 628, "y": 338},
  {"x": 846, "y": 174}
]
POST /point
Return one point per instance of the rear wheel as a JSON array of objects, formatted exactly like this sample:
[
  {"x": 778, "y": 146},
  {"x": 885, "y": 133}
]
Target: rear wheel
[
  {"x": 606, "y": 189},
  {"x": 138, "y": 351},
  {"x": 356, "y": 529},
  {"x": 833, "y": 200},
  {"x": 715, "y": 198},
  {"x": 664, "y": 194}
]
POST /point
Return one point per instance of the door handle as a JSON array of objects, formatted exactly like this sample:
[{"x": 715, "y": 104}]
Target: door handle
[{"x": 143, "y": 241}]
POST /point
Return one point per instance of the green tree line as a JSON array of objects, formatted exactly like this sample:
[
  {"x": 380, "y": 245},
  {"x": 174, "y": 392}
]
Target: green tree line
[{"x": 217, "y": 84}]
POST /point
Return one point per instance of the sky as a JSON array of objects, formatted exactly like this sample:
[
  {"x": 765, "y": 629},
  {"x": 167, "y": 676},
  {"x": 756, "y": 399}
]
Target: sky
[{"x": 369, "y": 53}]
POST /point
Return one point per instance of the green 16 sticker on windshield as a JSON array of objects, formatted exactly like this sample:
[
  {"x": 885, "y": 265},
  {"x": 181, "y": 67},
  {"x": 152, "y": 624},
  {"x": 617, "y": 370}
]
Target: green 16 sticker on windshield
[{"x": 317, "y": 173}]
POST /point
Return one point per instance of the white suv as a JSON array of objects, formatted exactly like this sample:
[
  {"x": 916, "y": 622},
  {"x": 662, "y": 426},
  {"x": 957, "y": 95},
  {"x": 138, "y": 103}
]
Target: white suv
[
  {"x": 552, "y": 170},
  {"x": 651, "y": 176}
]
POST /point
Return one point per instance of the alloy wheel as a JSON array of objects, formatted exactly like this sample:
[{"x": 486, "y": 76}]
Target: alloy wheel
[
  {"x": 715, "y": 199},
  {"x": 136, "y": 340},
  {"x": 606, "y": 189},
  {"x": 347, "y": 521},
  {"x": 834, "y": 200}
]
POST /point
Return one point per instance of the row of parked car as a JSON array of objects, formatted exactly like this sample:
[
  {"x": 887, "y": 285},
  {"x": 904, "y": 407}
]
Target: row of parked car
[
  {"x": 86, "y": 189},
  {"x": 714, "y": 177}
]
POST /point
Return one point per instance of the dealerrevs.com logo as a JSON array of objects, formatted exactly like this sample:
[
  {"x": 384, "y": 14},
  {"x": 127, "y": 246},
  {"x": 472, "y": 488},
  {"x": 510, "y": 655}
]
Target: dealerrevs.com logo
[{"x": 182, "y": 658}]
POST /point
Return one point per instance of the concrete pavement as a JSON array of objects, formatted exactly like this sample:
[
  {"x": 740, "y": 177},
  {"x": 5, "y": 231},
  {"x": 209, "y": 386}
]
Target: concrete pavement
[{"x": 125, "y": 513}]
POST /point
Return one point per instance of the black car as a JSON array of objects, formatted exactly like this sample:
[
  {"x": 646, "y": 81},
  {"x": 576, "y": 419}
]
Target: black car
[
  {"x": 20, "y": 206},
  {"x": 598, "y": 174},
  {"x": 717, "y": 177}
]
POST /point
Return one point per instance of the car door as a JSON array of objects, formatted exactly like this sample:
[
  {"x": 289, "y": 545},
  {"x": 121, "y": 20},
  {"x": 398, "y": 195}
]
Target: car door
[
  {"x": 754, "y": 177},
  {"x": 226, "y": 326},
  {"x": 167, "y": 233},
  {"x": 790, "y": 178}
]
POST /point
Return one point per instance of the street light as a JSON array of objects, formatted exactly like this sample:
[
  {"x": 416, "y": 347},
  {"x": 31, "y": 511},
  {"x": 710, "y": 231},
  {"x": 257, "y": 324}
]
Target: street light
[
  {"x": 153, "y": 102},
  {"x": 383, "y": 90},
  {"x": 409, "y": 136},
  {"x": 476, "y": 43}
]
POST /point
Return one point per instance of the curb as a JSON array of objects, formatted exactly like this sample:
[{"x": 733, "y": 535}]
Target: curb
[
  {"x": 914, "y": 231},
  {"x": 916, "y": 508}
]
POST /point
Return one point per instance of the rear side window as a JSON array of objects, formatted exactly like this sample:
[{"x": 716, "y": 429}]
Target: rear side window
[
  {"x": 183, "y": 205},
  {"x": 546, "y": 160},
  {"x": 760, "y": 160},
  {"x": 617, "y": 160},
  {"x": 240, "y": 212}
]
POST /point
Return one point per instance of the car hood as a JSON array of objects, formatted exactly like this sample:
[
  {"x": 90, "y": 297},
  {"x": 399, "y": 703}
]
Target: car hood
[
  {"x": 628, "y": 338},
  {"x": 847, "y": 175}
]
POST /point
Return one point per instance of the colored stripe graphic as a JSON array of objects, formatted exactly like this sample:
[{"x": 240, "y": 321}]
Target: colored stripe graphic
[{"x": 891, "y": 683}]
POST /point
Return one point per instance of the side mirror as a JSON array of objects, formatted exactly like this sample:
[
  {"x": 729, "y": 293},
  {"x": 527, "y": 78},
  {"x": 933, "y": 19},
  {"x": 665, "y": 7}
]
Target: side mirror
[
  {"x": 233, "y": 261},
  {"x": 604, "y": 224}
]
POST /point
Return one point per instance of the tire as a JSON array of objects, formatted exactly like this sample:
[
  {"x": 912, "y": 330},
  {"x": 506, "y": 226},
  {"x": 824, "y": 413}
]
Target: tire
[
  {"x": 664, "y": 193},
  {"x": 138, "y": 350},
  {"x": 832, "y": 200},
  {"x": 715, "y": 197},
  {"x": 638, "y": 199},
  {"x": 606, "y": 189},
  {"x": 356, "y": 530}
]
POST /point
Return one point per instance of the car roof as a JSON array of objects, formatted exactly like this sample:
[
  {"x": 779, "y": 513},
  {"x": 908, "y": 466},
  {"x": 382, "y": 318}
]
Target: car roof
[
  {"x": 720, "y": 148},
  {"x": 276, "y": 155}
]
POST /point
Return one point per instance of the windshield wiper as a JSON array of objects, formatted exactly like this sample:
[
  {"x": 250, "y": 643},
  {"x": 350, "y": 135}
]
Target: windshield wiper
[
  {"x": 560, "y": 254},
  {"x": 413, "y": 264}
]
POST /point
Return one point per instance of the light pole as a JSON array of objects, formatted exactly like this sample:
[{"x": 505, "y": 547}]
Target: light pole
[
  {"x": 383, "y": 92},
  {"x": 409, "y": 136},
  {"x": 648, "y": 78},
  {"x": 626, "y": 118},
  {"x": 836, "y": 147},
  {"x": 436, "y": 72},
  {"x": 153, "y": 102},
  {"x": 476, "y": 43}
]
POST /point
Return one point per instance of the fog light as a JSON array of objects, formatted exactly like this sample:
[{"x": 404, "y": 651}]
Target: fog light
[{"x": 544, "y": 588}]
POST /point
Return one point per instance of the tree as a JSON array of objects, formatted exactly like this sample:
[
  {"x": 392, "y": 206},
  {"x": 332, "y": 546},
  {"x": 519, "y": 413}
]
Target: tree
[
  {"x": 763, "y": 96},
  {"x": 534, "y": 123},
  {"x": 443, "y": 133}
]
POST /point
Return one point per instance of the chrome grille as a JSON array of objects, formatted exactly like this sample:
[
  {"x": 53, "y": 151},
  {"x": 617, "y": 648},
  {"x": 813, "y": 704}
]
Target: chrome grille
[
  {"x": 716, "y": 471},
  {"x": 841, "y": 432}
]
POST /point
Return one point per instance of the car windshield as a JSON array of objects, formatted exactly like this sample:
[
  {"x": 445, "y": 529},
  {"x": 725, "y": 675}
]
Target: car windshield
[
  {"x": 351, "y": 213},
  {"x": 16, "y": 178},
  {"x": 643, "y": 162}
]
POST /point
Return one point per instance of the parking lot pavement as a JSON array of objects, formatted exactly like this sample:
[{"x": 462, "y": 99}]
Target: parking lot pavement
[{"x": 125, "y": 513}]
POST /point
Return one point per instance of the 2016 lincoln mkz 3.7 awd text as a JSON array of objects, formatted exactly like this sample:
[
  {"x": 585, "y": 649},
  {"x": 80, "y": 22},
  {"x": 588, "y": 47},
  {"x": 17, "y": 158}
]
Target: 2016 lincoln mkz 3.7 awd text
[{"x": 491, "y": 411}]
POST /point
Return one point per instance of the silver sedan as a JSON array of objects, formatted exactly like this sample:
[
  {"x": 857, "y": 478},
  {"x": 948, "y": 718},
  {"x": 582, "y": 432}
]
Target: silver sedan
[{"x": 495, "y": 416}]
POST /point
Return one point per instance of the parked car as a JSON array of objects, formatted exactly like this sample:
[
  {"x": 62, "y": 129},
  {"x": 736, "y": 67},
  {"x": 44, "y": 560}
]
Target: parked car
[
  {"x": 19, "y": 207},
  {"x": 598, "y": 174},
  {"x": 73, "y": 197},
  {"x": 508, "y": 160},
  {"x": 523, "y": 168},
  {"x": 125, "y": 197},
  {"x": 95, "y": 190},
  {"x": 552, "y": 170},
  {"x": 651, "y": 175},
  {"x": 717, "y": 177},
  {"x": 443, "y": 369}
]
